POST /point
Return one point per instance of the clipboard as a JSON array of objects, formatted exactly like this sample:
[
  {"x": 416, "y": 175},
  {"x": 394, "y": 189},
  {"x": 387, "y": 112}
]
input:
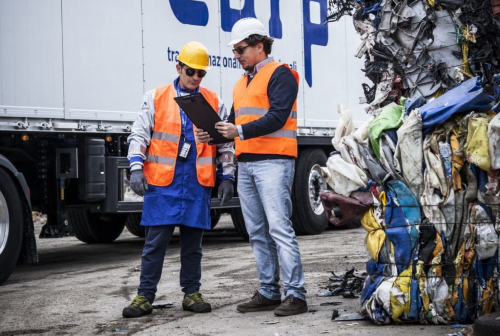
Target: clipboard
[{"x": 202, "y": 115}]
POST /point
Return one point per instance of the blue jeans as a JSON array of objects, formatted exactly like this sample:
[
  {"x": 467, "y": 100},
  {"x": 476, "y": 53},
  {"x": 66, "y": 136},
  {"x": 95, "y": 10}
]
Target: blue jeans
[
  {"x": 153, "y": 255},
  {"x": 264, "y": 188}
]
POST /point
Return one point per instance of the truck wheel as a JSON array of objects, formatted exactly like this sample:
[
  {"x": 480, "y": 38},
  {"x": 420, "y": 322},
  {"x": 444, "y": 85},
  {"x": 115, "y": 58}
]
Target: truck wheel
[
  {"x": 215, "y": 215},
  {"x": 11, "y": 225},
  {"x": 95, "y": 228},
  {"x": 133, "y": 224},
  {"x": 239, "y": 223},
  {"x": 487, "y": 325},
  {"x": 308, "y": 212}
]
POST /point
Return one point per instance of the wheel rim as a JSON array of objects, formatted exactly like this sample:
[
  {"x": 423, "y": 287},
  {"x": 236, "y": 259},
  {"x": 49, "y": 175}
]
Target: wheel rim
[
  {"x": 316, "y": 185},
  {"x": 4, "y": 223}
]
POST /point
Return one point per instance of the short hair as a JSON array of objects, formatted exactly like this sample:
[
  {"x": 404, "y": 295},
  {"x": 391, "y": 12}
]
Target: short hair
[{"x": 255, "y": 39}]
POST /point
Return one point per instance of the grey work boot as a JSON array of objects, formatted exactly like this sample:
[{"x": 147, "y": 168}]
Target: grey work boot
[
  {"x": 140, "y": 306},
  {"x": 291, "y": 306},
  {"x": 258, "y": 303}
]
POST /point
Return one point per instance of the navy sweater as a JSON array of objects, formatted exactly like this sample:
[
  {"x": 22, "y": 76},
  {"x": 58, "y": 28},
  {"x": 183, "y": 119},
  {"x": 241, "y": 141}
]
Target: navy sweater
[{"x": 282, "y": 92}]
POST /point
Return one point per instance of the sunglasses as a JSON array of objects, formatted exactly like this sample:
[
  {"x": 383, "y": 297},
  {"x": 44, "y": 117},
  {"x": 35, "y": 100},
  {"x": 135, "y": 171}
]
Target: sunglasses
[
  {"x": 190, "y": 72},
  {"x": 240, "y": 50}
]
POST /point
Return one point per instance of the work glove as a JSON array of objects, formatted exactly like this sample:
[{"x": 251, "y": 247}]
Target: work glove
[
  {"x": 226, "y": 191},
  {"x": 138, "y": 182}
]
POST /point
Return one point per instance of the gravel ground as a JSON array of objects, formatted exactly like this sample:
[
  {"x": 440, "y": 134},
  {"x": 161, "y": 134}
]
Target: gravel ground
[{"x": 81, "y": 289}]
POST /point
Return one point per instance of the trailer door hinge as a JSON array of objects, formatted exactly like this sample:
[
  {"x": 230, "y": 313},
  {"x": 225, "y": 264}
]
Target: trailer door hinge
[
  {"x": 23, "y": 124},
  {"x": 45, "y": 125},
  {"x": 83, "y": 127},
  {"x": 103, "y": 127}
]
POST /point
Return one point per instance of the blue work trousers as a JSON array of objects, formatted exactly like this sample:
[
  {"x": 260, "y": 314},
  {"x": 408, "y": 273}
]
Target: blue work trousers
[
  {"x": 265, "y": 188},
  {"x": 153, "y": 255}
]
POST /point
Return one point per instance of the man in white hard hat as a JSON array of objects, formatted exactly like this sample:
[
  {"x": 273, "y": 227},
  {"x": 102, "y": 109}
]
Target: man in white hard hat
[
  {"x": 175, "y": 173},
  {"x": 263, "y": 123}
]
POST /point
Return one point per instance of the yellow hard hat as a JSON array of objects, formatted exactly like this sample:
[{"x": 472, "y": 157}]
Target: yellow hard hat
[{"x": 194, "y": 55}]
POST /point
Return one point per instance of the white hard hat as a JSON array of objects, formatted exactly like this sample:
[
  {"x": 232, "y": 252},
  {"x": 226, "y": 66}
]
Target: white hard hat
[{"x": 244, "y": 28}]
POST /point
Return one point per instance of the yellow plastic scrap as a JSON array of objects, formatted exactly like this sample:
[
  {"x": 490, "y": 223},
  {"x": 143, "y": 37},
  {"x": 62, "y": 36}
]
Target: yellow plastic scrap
[
  {"x": 383, "y": 199},
  {"x": 491, "y": 114},
  {"x": 468, "y": 35},
  {"x": 488, "y": 297},
  {"x": 459, "y": 266},
  {"x": 376, "y": 235},
  {"x": 436, "y": 256},
  {"x": 465, "y": 64},
  {"x": 448, "y": 308},
  {"x": 476, "y": 145},
  {"x": 456, "y": 161},
  {"x": 400, "y": 295},
  {"x": 422, "y": 285},
  {"x": 439, "y": 92}
]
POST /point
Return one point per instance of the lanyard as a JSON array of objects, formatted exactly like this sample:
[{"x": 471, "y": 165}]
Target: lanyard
[{"x": 183, "y": 115}]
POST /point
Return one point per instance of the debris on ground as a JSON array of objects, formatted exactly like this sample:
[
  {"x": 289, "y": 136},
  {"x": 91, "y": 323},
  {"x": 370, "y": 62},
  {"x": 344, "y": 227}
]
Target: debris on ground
[
  {"x": 349, "y": 317},
  {"x": 331, "y": 303},
  {"x": 350, "y": 285}
]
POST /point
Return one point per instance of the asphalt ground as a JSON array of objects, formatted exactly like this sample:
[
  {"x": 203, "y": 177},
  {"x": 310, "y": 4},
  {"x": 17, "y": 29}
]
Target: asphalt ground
[{"x": 81, "y": 289}]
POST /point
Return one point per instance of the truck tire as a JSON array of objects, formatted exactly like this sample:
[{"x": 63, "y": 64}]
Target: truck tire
[
  {"x": 487, "y": 325},
  {"x": 308, "y": 213},
  {"x": 239, "y": 223},
  {"x": 11, "y": 225},
  {"x": 215, "y": 215},
  {"x": 134, "y": 225},
  {"x": 96, "y": 228}
]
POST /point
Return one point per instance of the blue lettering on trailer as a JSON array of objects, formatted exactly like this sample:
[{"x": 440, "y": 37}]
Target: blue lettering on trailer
[
  {"x": 229, "y": 16},
  {"x": 314, "y": 34},
  {"x": 275, "y": 28},
  {"x": 196, "y": 13},
  {"x": 190, "y": 12}
]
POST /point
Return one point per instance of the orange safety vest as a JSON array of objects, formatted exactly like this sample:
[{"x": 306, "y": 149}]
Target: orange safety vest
[
  {"x": 252, "y": 103},
  {"x": 162, "y": 152}
]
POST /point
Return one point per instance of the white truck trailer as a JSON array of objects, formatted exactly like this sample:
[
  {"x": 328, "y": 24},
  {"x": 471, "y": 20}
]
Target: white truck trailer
[{"x": 72, "y": 75}]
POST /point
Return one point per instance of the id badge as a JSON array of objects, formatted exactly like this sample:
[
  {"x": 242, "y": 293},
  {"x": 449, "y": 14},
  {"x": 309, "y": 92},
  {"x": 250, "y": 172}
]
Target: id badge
[{"x": 186, "y": 147}]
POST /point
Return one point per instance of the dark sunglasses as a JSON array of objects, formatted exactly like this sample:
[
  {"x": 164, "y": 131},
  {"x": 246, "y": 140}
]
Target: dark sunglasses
[
  {"x": 190, "y": 72},
  {"x": 240, "y": 50}
]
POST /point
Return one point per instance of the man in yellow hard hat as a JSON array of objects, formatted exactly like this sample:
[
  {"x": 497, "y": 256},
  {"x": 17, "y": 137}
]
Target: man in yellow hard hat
[{"x": 175, "y": 173}]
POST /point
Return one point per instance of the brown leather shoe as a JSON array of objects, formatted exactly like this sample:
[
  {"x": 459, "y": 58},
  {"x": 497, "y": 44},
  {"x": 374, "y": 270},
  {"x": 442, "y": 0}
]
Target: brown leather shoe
[
  {"x": 291, "y": 306},
  {"x": 258, "y": 303}
]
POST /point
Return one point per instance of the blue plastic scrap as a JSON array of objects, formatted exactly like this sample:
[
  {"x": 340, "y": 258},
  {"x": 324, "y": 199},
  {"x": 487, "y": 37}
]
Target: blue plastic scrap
[
  {"x": 411, "y": 104},
  {"x": 466, "y": 97}
]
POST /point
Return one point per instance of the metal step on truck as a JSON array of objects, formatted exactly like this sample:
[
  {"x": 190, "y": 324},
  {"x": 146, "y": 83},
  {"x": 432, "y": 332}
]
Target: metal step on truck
[{"x": 72, "y": 75}]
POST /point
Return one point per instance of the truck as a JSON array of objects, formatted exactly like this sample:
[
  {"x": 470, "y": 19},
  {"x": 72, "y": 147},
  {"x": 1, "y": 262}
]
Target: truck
[{"x": 72, "y": 75}]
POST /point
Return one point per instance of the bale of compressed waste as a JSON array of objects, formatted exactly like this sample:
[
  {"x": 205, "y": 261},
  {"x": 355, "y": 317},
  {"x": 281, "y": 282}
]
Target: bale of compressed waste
[{"x": 429, "y": 196}]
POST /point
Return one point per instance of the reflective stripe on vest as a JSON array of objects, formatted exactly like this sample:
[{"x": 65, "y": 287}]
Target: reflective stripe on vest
[
  {"x": 161, "y": 156},
  {"x": 252, "y": 103}
]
